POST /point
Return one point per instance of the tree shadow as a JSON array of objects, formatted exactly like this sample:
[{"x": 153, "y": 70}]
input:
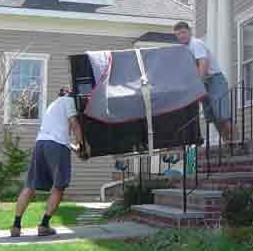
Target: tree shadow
[{"x": 68, "y": 213}]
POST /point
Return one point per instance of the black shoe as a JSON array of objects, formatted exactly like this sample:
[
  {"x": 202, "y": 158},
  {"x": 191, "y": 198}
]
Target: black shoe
[
  {"x": 46, "y": 231},
  {"x": 15, "y": 231}
]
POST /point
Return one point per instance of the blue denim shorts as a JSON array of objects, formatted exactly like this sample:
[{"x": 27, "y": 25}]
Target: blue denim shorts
[
  {"x": 216, "y": 104},
  {"x": 50, "y": 166}
]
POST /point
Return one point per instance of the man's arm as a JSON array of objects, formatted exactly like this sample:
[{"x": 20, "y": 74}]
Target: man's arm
[
  {"x": 82, "y": 146},
  {"x": 76, "y": 129},
  {"x": 202, "y": 66}
]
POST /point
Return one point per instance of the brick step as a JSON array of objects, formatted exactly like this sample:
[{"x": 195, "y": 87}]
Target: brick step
[
  {"x": 167, "y": 216},
  {"x": 201, "y": 200},
  {"x": 227, "y": 160},
  {"x": 242, "y": 149},
  {"x": 216, "y": 181},
  {"x": 226, "y": 167}
]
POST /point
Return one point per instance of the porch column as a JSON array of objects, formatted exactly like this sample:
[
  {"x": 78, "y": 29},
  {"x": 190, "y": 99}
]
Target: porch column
[
  {"x": 212, "y": 44},
  {"x": 224, "y": 38},
  {"x": 219, "y": 41},
  {"x": 211, "y": 36},
  {"x": 219, "y": 34}
]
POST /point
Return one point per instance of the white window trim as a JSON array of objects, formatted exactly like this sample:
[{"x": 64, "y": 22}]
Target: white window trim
[
  {"x": 105, "y": 2},
  {"x": 32, "y": 56},
  {"x": 242, "y": 20}
]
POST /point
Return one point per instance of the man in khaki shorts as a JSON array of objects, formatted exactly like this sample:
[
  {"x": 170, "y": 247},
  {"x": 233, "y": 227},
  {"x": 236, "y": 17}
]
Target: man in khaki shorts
[
  {"x": 50, "y": 167},
  {"x": 216, "y": 105}
]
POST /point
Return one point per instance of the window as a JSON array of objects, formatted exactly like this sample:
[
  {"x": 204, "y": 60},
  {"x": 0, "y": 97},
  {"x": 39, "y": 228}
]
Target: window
[
  {"x": 189, "y": 3},
  {"x": 102, "y": 2},
  {"x": 247, "y": 58},
  {"x": 25, "y": 87},
  {"x": 16, "y": 3}
]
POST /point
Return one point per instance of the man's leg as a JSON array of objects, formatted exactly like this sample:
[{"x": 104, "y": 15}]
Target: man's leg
[
  {"x": 22, "y": 203},
  {"x": 228, "y": 132},
  {"x": 58, "y": 159},
  {"x": 52, "y": 205}
]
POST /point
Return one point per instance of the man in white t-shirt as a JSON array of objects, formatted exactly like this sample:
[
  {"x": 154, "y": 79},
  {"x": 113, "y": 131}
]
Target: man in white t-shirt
[
  {"x": 50, "y": 167},
  {"x": 216, "y": 104}
]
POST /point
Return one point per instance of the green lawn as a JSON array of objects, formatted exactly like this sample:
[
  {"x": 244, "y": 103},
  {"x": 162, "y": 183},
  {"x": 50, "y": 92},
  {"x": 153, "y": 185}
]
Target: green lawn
[
  {"x": 66, "y": 214},
  {"x": 164, "y": 241},
  {"x": 85, "y": 245}
]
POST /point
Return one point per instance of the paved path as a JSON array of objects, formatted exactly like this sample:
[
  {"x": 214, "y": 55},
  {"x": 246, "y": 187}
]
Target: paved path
[{"x": 115, "y": 230}]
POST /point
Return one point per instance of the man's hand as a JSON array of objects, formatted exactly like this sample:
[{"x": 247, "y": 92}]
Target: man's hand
[{"x": 83, "y": 151}]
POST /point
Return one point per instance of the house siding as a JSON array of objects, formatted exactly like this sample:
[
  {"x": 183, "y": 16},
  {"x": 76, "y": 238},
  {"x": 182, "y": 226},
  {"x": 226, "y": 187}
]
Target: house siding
[
  {"x": 201, "y": 17},
  {"x": 242, "y": 5},
  {"x": 238, "y": 6},
  {"x": 97, "y": 171}
]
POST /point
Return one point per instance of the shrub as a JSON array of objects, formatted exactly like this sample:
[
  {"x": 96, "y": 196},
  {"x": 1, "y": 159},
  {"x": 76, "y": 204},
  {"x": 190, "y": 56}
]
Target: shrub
[
  {"x": 237, "y": 211},
  {"x": 14, "y": 162},
  {"x": 190, "y": 240},
  {"x": 116, "y": 209},
  {"x": 134, "y": 194},
  {"x": 237, "y": 207}
]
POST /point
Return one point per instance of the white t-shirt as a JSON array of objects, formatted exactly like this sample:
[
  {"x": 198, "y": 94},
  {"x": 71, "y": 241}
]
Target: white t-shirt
[
  {"x": 199, "y": 50},
  {"x": 55, "y": 125}
]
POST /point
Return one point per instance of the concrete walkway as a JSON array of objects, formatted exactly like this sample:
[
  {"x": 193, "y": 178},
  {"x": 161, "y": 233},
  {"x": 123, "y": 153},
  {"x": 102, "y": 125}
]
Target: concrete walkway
[{"x": 105, "y": 231}]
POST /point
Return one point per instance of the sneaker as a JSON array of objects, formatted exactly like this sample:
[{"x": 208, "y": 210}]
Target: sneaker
[
  {"x": 45, "y": 231},
  {"x": 15, "y": 231}
]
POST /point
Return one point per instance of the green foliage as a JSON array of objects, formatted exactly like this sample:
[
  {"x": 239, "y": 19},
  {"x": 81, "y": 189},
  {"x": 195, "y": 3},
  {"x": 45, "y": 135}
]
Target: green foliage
[
  {"x": 14, "y": 162},
  {"x": 240, "y": 235},
  {"x": 11, "y": 191},
  {"x": 67, "y": 214},
  {"x": 115, "y": 210},
  {"x": 191, "y": 240},
  {"x": 135, "y": 194},
  {"x": 238, "y": 206}
]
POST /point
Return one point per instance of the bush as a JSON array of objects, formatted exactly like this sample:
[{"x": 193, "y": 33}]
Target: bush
[
  {"x": 237, "y": 207},
  {"x": 10, "y": 192},
  {"x": 190, "y": 240},
  {"x": 134, "y": 194},
  {"x": 14, "y": 162},
  {"x": 237, "y": 211},
  {"x": 115, "y": 210}
]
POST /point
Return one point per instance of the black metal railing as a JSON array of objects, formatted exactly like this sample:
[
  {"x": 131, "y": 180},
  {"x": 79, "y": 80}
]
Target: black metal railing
[{"x": 241, "y": 116}]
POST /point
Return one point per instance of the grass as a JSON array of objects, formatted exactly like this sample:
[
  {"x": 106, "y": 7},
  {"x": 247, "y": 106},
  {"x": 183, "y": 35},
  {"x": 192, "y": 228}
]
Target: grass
[
  {"x": 195, "y": 239},
  {"x": 165, "y": 240},
  {"x": 84, "y": 245},
  {"x": 66, "y": 215}
]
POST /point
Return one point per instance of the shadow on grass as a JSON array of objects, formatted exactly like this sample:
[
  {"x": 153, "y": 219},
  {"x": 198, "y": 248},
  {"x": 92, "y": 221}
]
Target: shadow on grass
[{"x": 68, "y": 213}]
